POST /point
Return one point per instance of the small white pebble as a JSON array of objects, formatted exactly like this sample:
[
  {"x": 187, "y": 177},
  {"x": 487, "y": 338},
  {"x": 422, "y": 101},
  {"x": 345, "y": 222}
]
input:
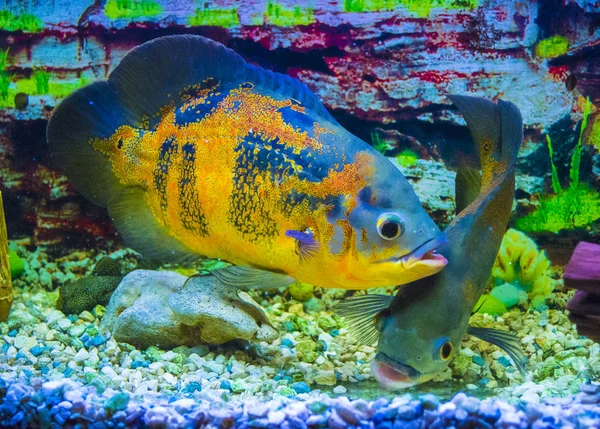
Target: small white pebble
[
  {"x": 64, "y": 324},
  {"x": 339, "y": 389},
  {"x": 81, "y": 355}
]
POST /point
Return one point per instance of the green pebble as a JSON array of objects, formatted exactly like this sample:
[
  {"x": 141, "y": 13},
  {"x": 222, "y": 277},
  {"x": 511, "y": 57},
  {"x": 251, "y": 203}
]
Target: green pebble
[
  {"x": 297, "y": 376},
  {"x": 286, "y": 391},
  {"x": 506, "y": 293},
  {"x": 116, "y": 403},
  {"x": 17, "y": 265},
  {"x": 301, "y": 291},
  {"x": 154, "y": 354},
  {"x": 313, "y": 305},
  {"x": 237, "y": 387},
  {"x": 91, "y": 331},
  {"x": 76, "y": 343},
  {"x": 173, "y": 368},
  {"x": 327, "y": 323}
]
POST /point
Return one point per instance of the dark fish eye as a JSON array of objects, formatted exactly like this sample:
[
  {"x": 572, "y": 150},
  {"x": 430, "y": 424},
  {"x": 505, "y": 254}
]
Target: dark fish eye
[
  {"x": 390, "y": 226},
  {"x": 446, "y": 351},
  {"x": 380, "y": 318}
]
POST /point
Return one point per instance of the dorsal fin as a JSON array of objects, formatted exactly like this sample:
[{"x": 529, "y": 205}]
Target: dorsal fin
[{"x": 154, "y": 73}]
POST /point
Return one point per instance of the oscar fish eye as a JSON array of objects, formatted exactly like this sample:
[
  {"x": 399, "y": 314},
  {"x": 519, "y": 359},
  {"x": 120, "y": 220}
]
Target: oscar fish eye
[
  {"x": 390, "y": 226},
  {"x": 446, "y": 351}
]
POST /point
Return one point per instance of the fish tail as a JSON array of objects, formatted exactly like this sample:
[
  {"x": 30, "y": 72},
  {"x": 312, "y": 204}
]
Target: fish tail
[
  {"x": 89, "y": 113},
  {"x": 497, "y": 130}
]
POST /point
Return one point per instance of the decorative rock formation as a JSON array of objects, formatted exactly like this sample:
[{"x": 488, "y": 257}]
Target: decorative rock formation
[
  {"x": 583, "y": 273},
  {"x": 166, "y": 309}
]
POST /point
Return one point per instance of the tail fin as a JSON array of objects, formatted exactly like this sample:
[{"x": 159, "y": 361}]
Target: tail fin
[{"x": 497, "y": 130}]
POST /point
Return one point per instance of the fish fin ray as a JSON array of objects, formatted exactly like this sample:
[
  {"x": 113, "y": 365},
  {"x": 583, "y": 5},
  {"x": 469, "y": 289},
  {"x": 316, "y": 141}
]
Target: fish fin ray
[
  {"x": 506, "y": 341},
  {"x": 359, "y": 313},
  {"x": 308, "y": 247},
  {"x": 135, "y": 221},
  {"x": 243, "y": 277},
  {"x": 467, "y": 187}
]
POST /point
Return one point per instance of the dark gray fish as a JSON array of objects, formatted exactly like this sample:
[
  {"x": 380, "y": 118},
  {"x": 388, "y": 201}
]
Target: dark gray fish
[{"x": 419, "y": 330}]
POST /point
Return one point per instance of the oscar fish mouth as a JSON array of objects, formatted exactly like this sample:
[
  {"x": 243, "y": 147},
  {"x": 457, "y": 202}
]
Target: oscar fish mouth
[
  {"x": 392, "y": 374},
  {"x": 425, "y": 254}
]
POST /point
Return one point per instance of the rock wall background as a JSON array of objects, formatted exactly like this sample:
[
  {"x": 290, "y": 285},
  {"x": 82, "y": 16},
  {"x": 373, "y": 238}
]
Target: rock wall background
[{"x": 383, "y": 67}]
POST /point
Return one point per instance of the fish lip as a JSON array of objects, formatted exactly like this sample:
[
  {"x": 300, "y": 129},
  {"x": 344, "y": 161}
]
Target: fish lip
[
  {"x": 392, "y": 374},
  {"x": 428, "y": 248}
]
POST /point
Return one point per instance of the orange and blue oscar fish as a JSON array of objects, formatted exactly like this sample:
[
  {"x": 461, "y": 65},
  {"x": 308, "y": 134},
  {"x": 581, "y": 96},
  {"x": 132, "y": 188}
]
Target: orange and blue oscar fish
[{"x": 196, "y": 153}]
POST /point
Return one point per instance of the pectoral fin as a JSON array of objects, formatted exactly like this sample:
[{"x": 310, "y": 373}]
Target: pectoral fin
[
  {"x": 507, "y": 341},
  {"x": 307, "y": 246},
  {"x": 359, "y": 313},
  {"x": 243, "y": 277}
]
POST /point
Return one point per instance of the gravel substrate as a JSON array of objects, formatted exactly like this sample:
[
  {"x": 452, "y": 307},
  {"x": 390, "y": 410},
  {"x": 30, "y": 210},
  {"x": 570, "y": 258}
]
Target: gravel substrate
[
  {"x": 84, "y": 375},
  {"x": 64, "y": 403}
]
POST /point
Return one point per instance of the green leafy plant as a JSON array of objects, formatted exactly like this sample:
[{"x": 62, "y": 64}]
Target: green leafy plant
[
  {"x": 116, "y": 9},
  {"x": 25, "y": 22},
  {"x": 552, "y": 47},
  {"x": 3, "y": 59},
  {"x": 286, "y": 17},
  {"x": 225, "y": 18},
  {"x": 42, "y": 81},
  {"x": 420, "y": 8},
  {"x": 378, "y": 144},
  {"x": 5, "y": 81},
  {"x": 573, "y": 207}
]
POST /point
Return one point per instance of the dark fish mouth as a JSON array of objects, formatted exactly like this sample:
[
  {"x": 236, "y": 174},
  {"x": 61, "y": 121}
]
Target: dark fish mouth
[
  {"x": 392, "y": 374},
  {"x": 425, "y": 253}
]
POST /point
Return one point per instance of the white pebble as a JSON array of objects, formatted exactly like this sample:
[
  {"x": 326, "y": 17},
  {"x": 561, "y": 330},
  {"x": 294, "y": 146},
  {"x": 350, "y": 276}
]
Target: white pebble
[
  {"x": 81, "y": 355},
  {"x": 339, "y": 389},
  {"x": 64, "y": 324}
]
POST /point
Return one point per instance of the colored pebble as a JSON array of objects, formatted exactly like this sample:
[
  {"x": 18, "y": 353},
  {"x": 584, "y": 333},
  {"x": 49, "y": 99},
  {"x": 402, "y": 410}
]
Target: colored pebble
[
  {"x": 478, "y": 360},
  {"x": 301, "y": 387}
]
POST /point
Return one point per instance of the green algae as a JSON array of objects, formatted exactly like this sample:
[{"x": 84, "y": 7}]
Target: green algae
[
  {"x": 301, "y": 291},
  {"x": 42, "y": 79},
  {"x": 25, "y": 22},
  {"x": 225, "y": 18},
  {"x": 132, "y": 9},
  {"x": 378, "y": 143},
  {"x": 552, "y": 47},
  {"x": 56, "y": 89},
  {"x": 17, "y": 265},
  {"x": 282, "y": 16},
  {"x": 421, "y": 8},
  {"x": 574, "y": 207},
  {"x": 407, "y": 158}
]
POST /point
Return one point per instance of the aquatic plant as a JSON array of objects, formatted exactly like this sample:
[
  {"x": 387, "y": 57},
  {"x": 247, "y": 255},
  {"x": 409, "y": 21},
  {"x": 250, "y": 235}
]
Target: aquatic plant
[
  {"x": 407, "y": 158},
  {"x": 42, "y": 80},
  {"x": 116, "y": 9},
  {"x": 378, "y": 143},
  {"x": 6, "y": 268},
  {"x": 574, "y": 207},
  {"x": 215, "y": 17},
  {"x": 520, "y": 276},
  {"x": 5, "y": 81},
  {"x": 3, "y": 59},
  {"x": 25, "y": 22},
  {"x": 422, "y": 8},
  {"x": 552, "y": 47},
  {"x": 287, "y": 17}
]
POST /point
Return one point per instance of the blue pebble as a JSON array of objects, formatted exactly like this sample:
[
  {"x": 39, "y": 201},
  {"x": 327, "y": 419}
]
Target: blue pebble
[
  {"x": 27, "y": 373},
  {"x": 12, "y": 333},
  {"x": 55, "y": 364},
  {"x": 288, "y": 326},
  {"x": 287, "y": 378},
  {"x": 334, "y": 332},
  {"x": 5, "y": 347},
  {"x": 504, "y": 361},
  {"x": 17, "y": 418},
  {"x": 478, "y": 360},
  {"x": 72, "y": 318},
  {"x": 37, "y": 350},
  {"x": 21, "y": 355},
  {"x": 385, "y": 425},
  {"x": 193, "y": 387},
  {"x": 138, "y": 363},
  {"x": 68, "y": 372},
  {"x": 226, "y": 384},
  {"x": 301, "y": 387},
  {"x": 484, "y": 381},
  {"x": 286, "y": 342},
  {"x": 98, "y": 340},
  {"x": 45, "y": 370}
]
